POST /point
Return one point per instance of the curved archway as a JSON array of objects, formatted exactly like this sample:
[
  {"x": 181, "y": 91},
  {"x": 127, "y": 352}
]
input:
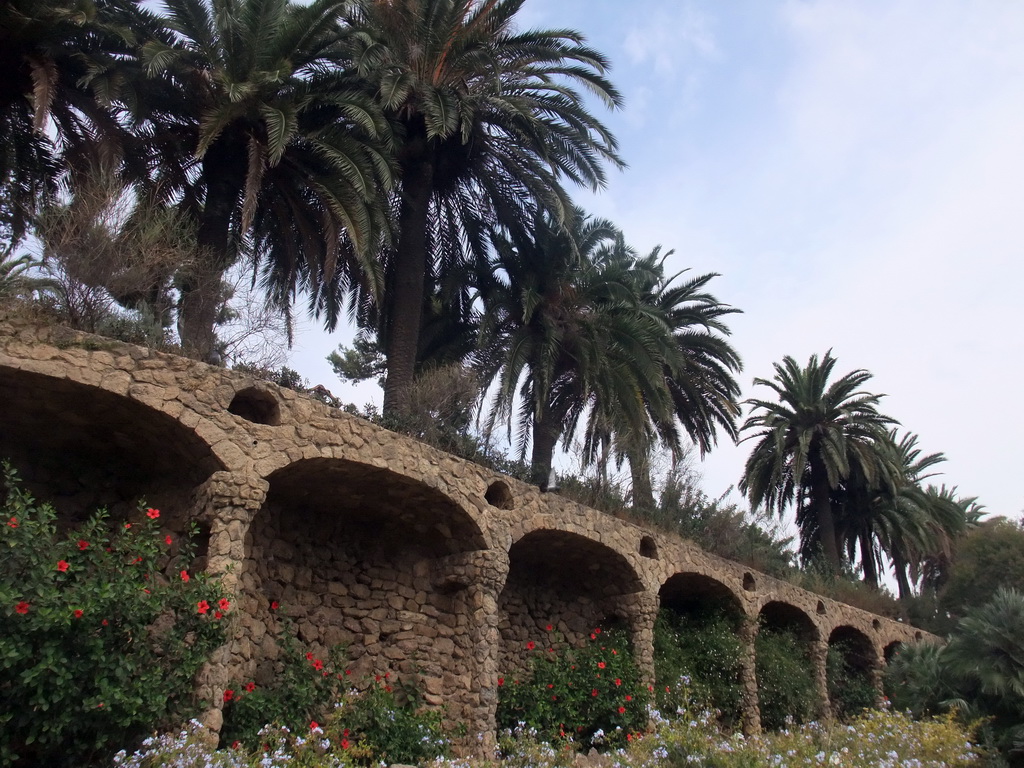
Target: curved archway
[
  {"x": 358, "y": 556},
  {"x": 852, "y": 662},
  {"x": 697, "y": 635},
  {"x": 565, "y": 581},
  {"x": 90, "y": 447},
  {"x": 785, "y": 672}
]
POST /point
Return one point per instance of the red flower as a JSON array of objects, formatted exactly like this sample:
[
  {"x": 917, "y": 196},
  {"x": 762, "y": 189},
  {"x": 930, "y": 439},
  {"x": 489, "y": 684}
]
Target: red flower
[
  {"x": 344, "y": 744},
  {"x": 236, "y": 744},
  {"x": 13, "y": 522},
  {"x": 83, "y": 544},
  {"x": 600, "y": 665},
  {"x": 229, "y": 695},
  {"x": 614, "y": 652},
  {"x": 621, "y": 710},
  {"x": 223, "y": 603},
  {"x": 501, "y": 681},
  {"x": 218, "y": 615},
  {"x": 348, "y": 671},
  {"x": 184, "y": 576},
  {"x": 250, "y": 687},
  {"x": 21, "y": 607},
  {"x": 593, "y": 636},
  {"x": 78, "y": 613},
  {"x": 274, "y": 605},
  {"x": 202, "y": 606},
  {"x": 314, "y": 725},
  {"x": 127, "y": 526},
  {"x": 551, "y": 650},
  {"x": 309, "y": 657},
  {"x": 318, "y": 665},
  {"x": 629, "y": 737},
  {"x": 594, "y": 692},
  {"x": 618, "y": 681},
  {"x": 554, "y": 698},
  {"x": 551, "y": 685},
  {"x": 628, "y": 697},
  {"x": 62, "y": 565},
  {"x": 549, "y": 627},
  {"x": 152, "y": 514},
  {"x": 346, "y": 733},
  {"x": 597, "y": 631},
  {"x": 147, "y": 591},
  {"x": 104, "y": 622},
  {"x": 531, "y": 645},
  {"x": 136, "y": 560},
  {"x": 168, "y": 539}
]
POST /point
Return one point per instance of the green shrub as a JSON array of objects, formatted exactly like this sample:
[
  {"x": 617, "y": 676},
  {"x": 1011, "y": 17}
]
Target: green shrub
[
  {"x": 705, "y": 650},
  {"x": 785, "y": 680},
  {"x": 97, "y": 645},
  {"x": 850, "y": 690},
  {"x": 591, "y": 695}
]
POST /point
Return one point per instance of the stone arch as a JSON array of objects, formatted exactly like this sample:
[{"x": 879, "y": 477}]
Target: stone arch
[
  {"x": 786, "y": 632},
  {"x": 99, "y": 448},
  {"x": 564, "y": 580},
  {"x": 853, "y": 671},
  {"x": 371, "y": 559},
  {"x": 891, "y": 649},
  {"x": 694, "y": 605}
]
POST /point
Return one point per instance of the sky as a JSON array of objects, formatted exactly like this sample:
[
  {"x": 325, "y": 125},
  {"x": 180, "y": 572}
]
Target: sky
[{"x": 854, "y": 171}]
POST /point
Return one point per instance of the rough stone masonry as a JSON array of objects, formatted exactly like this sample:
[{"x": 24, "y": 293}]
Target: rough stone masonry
[{"x": 425, "y": 566}]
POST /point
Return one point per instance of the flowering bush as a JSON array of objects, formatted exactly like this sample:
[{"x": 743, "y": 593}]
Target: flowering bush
[
  {"x": 592, "y": 694},
  {"x": 785, "y": 678},
  {"x": 303, "y": 690},
  {"x": 706, "y": 651},
  {"x": 97, "y": 646},
  {"x": 362, "y": 729}
]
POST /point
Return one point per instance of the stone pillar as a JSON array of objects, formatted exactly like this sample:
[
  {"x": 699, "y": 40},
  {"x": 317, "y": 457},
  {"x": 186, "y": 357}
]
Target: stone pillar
[
  {"x": 749, "y": 704},
  {"x": 641, "y": 611},
  {"x": 227, "y": 503},
  {"x": 482, "y": 574},
  {"x": 876, "y": 673},
  {"x": 819, "y": 657}
]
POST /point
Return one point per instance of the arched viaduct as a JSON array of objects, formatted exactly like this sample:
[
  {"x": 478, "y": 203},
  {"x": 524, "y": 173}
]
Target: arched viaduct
[{"x": 423, "y": 564}]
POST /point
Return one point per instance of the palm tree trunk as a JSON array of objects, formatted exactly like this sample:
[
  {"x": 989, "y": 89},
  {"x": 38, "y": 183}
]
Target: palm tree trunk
[
  {"x": 546, "y": 430},
  {"x": 409, "y": 269},
  {"x": 640, "y": 470},
  {"x": 820, "y": 497},
  {"x": 202, "y": 290},
  {"x": 867, "y": 558},
  {"x": 899, "y": 567}
]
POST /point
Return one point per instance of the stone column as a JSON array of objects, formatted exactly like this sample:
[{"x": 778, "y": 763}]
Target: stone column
[
  {"x": 749, "y": 704},
  {"x": 641, "y": 610},
  {"x": 876, "y": 673},
  {"x": 819, "y": 657},
  {"x": 226, "y": 503},
  {"x": 482, "y": 574}
]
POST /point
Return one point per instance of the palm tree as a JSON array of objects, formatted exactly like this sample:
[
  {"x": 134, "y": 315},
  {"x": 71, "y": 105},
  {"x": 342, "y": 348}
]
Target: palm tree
[
  {"x": 487, "y": 124},
  {"x": 259, "y": 136},
  {"x": 563, "y": 334},
  {"x": 62, "y": 67},
  {"x": 809, "y": 441},
  {"x": 896, "y": 515},
  {"x": 697, "y": 372}
]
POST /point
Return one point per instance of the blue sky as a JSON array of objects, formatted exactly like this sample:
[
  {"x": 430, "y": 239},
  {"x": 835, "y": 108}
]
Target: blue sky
[{"x": 855, "y": 172}]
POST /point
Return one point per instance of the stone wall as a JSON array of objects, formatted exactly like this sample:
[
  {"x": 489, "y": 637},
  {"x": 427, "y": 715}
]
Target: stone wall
[{"x": 426, "y": 566}]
